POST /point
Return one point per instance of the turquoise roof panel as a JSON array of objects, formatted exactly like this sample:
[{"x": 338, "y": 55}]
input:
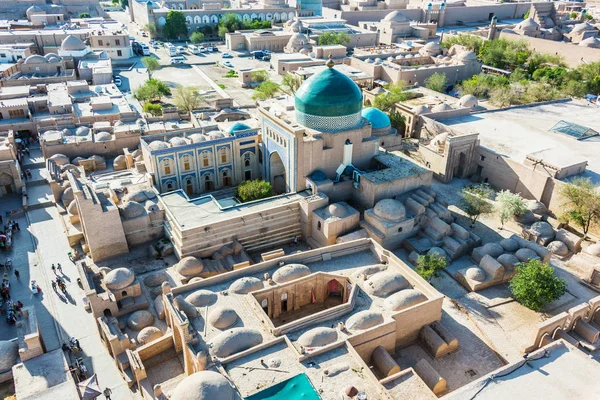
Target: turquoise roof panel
[{"x": 376, "y": 117}]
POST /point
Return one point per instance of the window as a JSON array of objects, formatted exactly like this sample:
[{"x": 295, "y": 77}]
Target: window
[
  {"x": 319, "y": 225},
  {"x": 205, "y": 159},
  {"x": 224, "y": 155},
  {"x": 481, "y": 157},
  {"x": 2, "y": 55},
  {"x": 167, "y": 168},
  {"x": 16, "y": 113},
  {"x": 117, "y": 42},
  {"x": 100, "y": 43},
  {"x": 119, "y": 53}
]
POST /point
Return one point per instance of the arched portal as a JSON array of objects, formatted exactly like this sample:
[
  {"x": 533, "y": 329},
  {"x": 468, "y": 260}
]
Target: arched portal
[
  {"x": 6, "y": 182},
  {"x": 278, "y": 174}
]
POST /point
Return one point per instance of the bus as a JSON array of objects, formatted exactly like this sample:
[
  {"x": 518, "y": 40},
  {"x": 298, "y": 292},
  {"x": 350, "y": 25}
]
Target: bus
[{"x": 193, "y": 49}]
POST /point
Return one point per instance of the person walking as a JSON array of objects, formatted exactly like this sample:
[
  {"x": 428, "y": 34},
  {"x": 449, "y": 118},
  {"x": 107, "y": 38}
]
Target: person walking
[
  {"x": 54, "y": 269},
  {"x": 17, "y": 226},
  {"x": 17, "y": 274},
  {"x": 59, "y": 268},
  {"x": 107, "y": 392}
]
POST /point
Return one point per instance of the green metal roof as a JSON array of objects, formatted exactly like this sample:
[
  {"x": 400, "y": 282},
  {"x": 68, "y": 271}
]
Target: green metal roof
[{"x": 329, "y": 93}]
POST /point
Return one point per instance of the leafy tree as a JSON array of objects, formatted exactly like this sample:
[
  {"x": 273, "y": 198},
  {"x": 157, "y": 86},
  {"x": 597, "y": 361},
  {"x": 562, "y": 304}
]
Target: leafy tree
[
  {"x": 535, "y": 285},
  {"x": 329, "y": 38},
  {"x": 504, "y": 53},
  {"x": 509, "y": 205},
  {"x": 222, "y": 31},
  {"x": 386, "y": 102},
  {"x": 253, "y": 190},
  {"x": 230, "y": 23},
  {"x": 187, "y": 98},
  {"x": 257, "y": 24},
  {"x": 266, "y": 90},
  {"x": 471, "y": 42},
  {"x": 554, "y": 75},
  {"x": 430, "y": 266},
  {"x": 504, "y": 96},
  {"x": 153, "y": 109},
  {"x": 231, "y": 73},
  {"x": 436, "y": 82},
  {"x": 85, "y": 15},
  {"x": 397, "y": 121},
  {"x": 197, "y": 37},
  {"x": 573, "y": 15},
  {"x": 588, "y": 17},
  {"x": 151, "y": 90},
  {"x": 475, "y": 200},
  {"x": 151, "y": 64},
  {"x": 151, "y": 28},
  {"x": 526, "y": 14},
  {"x": 207, "y": 30},
  {"x": 582, "y": 202},
  {"x": 259, "y": 76},
  {"x": 175, "y": 25},
  {"x": 292, "y": 82}
]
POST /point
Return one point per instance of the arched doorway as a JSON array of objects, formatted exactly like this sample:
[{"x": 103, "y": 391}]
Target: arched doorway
[
  {"x": 278, "y": 175},
  {"x": 284, "y": 302},
  {"x": 334, "y": 288},
  {"x": 209, "y": 185},
  {"x": 265, "y": 306},
  {"x": 6, "y": 182},
  {"x": 189, "y": 187},
  {"x": 226, "y": 178}
]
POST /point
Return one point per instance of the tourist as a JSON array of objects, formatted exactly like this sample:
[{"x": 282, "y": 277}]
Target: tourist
[
  {"x": 59, "y": 268},
  {"x": 17, "y": 274},
  {"x": 107, "y": 392},
  {"x": 53, "y": 269},
  {"x": 17, "y": 226}
]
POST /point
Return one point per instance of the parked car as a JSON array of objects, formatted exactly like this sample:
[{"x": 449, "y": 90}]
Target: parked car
[
  {"x": 228, "y": 64},
  {"x": 202, "y": 49},
  {"x": 267, "y": 51},
  {"x": 226, "y": 55},
  {"x": 144, "y": 34},
  {"x": 117, "y": 80},
  {"x": 166, "y": 45},
  {"x": 177, "y": 60},
  {"x": 266, "y": 58},
  {"x": 180, "y": 49},
  {"x": 257, "y": 54}
]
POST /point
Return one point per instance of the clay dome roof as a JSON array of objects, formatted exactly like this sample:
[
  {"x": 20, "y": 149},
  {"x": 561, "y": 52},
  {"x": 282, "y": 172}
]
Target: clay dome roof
[
  {"x": 148, "y": 334},
  {"x": 34, "y": 9},
  {"x": 317, "y": 337},
  {"x": 9, "y": 354},
  {"x": 509, "y": 245},
  {"x": 139, "y": 320},
  {"x": 493, "y": 249},
  {"x": 204, "y": 385},
  {"x": 508, "y": 260},
  {"x": 420, "y": 110},
  {"x": 234, "y": 340},
  {"x": 395, "y": 16},
  {"x": 77, "y": 160},
  {"x": 119, "y": 278},
  {"x": 222, "y": 317},
  {"x": 557, "y": 247},
  {"x": 337, "y": 210},
  {"x": 201, "y": 298},
  {"x": 215, "y": 135},
  {"x": 67, "y": 196},
  {"x": 390, "y": 210},
  {"x": 476, "y": 274},
  {"x": 466, "y": 56},
  {"x": 542, "y": 228},
  {"x": 432, "y": 46},
  {"x": 246, "y": 285},
  {"x": 132, "y": 209},
  {"x": 238, "y": 126},
  {"x": 441, "y": 107},
  {"x": 384, "y": 283},
  {"x": 189, "y": 266},
  {"x": 290, "y": 272},
  {"x": 364, "y": 320},
  {"x": 72, "y": 43},
  {"x": 120, "y": 161},
  {"x": 525, "y": 255},
  {"x": 197, "y": 138},
  {"x": 528, "y": 25},
  {"x": 158, "y": 145},
  {"x": 177, "y": 141},
  {"x": 594, "y": 249},
  {"x": 377, "y": 118},
  {"x": 102, "y": 137},
  {"x": 82, "y": 131},
  {"x": 72, "y": 208},
  {"x": 404, "y": 299},
  {"x": 60, "y": 159},
  {"x": 35, "y": 59},
  {"x": 468, "y": 101}
]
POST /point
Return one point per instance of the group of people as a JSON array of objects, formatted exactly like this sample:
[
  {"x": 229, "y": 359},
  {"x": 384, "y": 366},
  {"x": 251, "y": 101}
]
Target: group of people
[
  {"x": 12, "y": 310},
  {"x": 10, "y": 227}
]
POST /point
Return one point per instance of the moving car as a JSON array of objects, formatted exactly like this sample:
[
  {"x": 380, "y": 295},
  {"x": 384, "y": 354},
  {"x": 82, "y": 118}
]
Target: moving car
[
  {"x": 226, "y": 55},
  {"x": 228, "y": 64}
]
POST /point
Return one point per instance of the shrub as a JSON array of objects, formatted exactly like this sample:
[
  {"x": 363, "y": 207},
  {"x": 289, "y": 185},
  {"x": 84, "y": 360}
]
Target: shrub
[
  {"x": 154, "y": 109},
  {"x": 535, "y": 285},
  {"x": 430, "y": 266},
  {"x": 253, "y": 190},
  {"x": 510, "y": 205}
]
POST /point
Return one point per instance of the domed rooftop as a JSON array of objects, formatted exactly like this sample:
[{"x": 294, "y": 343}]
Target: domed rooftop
[
  {"x": 103, "y": 137},
  {"x": 158, "y": 145},
  {"x": 476, "y": 274},
  {"x": 593, "y": 249},
  {"x": 493, "y": 249},
  {"x": 72, "y": 208},
  {"x": 246, "y": 285},
  {"x": 297, "y": 42},
  {"x": 528, "y": 25},
  {"x": 466, "y": 56},
  {"x": 557, "y": 247},
  {"x": 119, "y": 278},
  {"x": 364, "y": 320},
  {"x": 35, "y": 59},
  {"x": 201, "y": 298},
  {"x": 508, "y": 260},
  {"x": 422, "y": 109},
  {"x": 238, "y": 126},
  {"x": 316, "y": 337},
  {"x": 404, "y": 299},
  {"x": 204, "y": 385},
  {"x": 385, "y": 283},
  {"x": 509, "y": 244},
  {"x": 290, "y": 272},
  {"x": 60, "y": 159},
  {"x": 377, "y": 118},
  {"x": 33, "y": 9},
  {"x": 140, "y": 319},
  {"x": 132, "y": 209},
  {"x": 72, "y": 43},
  {"x": 525, "y": 255},
  {"x": 222, "y": 317},
  {"x": 189, "y": 266},
  {"x": 296, "y": 25},
  {"x": 441, "y": 107},
  {"x": 177, "y": 141},
  {"x": 468, "y": 101},
  {"x": 337, "y": 210},
  {"x": 197, "y": 138},
  {"x": 329, "y": 101},
  {"x": 234, "y": 340},
  {"x": 395, "y": 16},
  {"x": 390, "y": 210},
  {"x": 82, "y": 131},
  {"x": 148, "y": 334}
]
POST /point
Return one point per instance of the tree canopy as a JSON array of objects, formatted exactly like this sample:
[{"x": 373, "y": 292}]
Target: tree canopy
[
  {"x": 509, "y": 205},
  {"x": 187, "y": 98},
  {"x": 175, "y": 25},
  {"x": 151, "y": 64},
  {"x": 152, "y": 90},
  {"x": 436, "y": 82},
  {"x": 430, "y": 266},
  {"x": 292, "y": 82},
  {"x": 230, "y": 23},
  {"x": 476, "y": 201},
  {"x": 329, "y": 38},
  {"x": 535, "y": 285},
  {"x": 266, "y": 90},
  {"x": 386, "y": 102},
  {"x": 253, "y": 190},
  {"x": 197, "y": 37},
  {"x": 581, "y": 202}
]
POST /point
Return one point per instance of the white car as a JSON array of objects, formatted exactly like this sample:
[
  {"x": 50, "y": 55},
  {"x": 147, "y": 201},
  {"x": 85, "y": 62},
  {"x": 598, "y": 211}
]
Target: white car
[
  {"x": 177, "y": 60},
  {"x": 202, "y": 49},
  {"x": 117, "y": 80}
]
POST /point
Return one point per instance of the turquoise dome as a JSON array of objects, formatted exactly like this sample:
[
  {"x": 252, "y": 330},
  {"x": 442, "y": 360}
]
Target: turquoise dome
[
  {"x": 376, "y": 117},
  {"x": 238, "y": 126},
  {"x": 329, "y": 101}
]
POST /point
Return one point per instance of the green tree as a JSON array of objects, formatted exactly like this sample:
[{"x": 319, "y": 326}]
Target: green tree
[
  {"x": 222, "y": 31},
  {"x": 151, "y": 28},
  {"x": 85, "y": 15},
  {"x": 152, "y": 90},
  {"x": 292, "y": 82},
  {"x": 253, "y": 190},
  {"x": 207, "y": 30},
  {"x": 471, "y": 42},
  {"x": 476, "y": 201},
  {"x": 504, "y": 53},
  {"x": 526, "y": 14},
  {"x": 259, "y": 76},
  {"x": 509, "y": 205},
  {"x": 266, "y": 90},
  {"x": 436, "y": 82},
  {"x": 229, "y": 23},
  {"x": 329, "y": 38},
  {"x": 573, "y": 15},
  {"x": 503, "y": 96},
  {"x": 153, "y": 109},
  {"x": 397, "y": 121},
  {"x": 151, "y": 64},
  {"x": 430, "y": 266},
  {"x": 588, "y": 17},
  {"x": 175, "y": 25},
  {"x": 581, "y": 202},
  {"x": 197, "y": 37},
  {"x": 187, "y": 98},
  {"x": 535, "y": 285},
  {"x": 386, "y": 102}
]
